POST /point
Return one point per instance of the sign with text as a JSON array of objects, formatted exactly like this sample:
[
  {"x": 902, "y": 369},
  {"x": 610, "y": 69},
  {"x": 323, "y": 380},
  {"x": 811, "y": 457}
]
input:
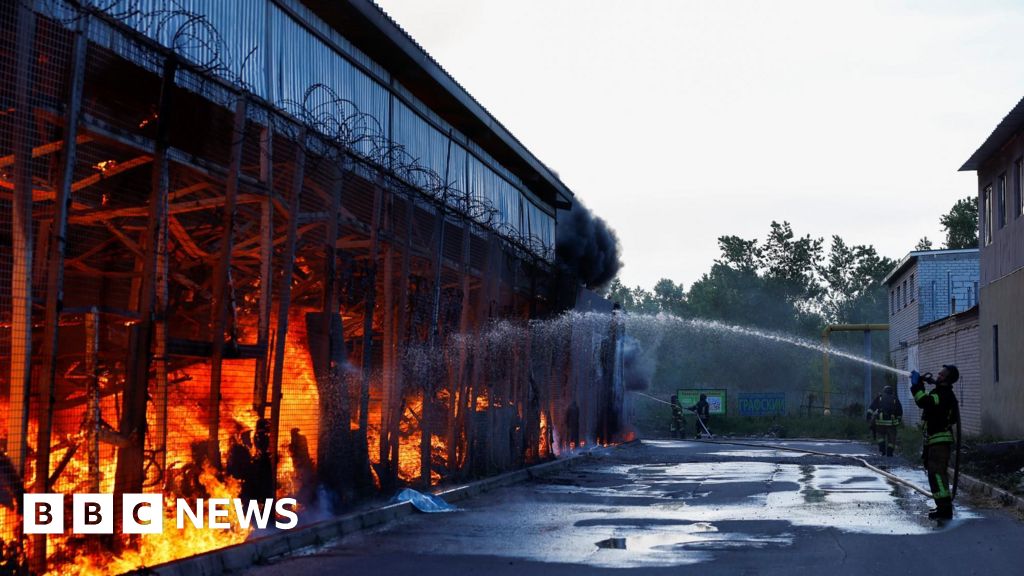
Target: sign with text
[
  {"x": 763, "y": 404},
  {"x": 716, "y": 399}
]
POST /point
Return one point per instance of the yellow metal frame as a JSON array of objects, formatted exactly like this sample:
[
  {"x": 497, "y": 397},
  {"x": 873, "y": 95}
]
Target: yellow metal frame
[{"x": 826, "y": 383}]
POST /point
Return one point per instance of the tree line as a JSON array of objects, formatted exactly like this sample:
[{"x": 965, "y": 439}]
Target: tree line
[{"x": 785, "y": 283}]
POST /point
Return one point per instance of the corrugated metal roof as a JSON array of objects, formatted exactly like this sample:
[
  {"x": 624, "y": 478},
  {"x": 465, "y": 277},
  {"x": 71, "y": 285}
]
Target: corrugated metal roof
[
  {"x": 1011, "y": 124},
  {"x": 404, "y": 42}
]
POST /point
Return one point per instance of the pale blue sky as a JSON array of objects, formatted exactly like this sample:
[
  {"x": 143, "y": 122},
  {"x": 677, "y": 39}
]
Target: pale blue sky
[{"x": 680, "y": 121}]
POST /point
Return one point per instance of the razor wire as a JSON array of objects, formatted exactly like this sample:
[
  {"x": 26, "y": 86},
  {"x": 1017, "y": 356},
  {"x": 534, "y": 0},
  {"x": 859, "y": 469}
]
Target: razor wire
[{"x": 341, "y": 129}]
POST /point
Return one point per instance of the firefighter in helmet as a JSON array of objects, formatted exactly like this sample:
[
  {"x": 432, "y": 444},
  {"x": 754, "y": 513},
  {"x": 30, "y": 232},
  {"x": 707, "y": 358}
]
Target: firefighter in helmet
[
  {"x": 678, "y": 422},
  {"x": 940, "y": 412},
  {"x": 888, "y": 415}
]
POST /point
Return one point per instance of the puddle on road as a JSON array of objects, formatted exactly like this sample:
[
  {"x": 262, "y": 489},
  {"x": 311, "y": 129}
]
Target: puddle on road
[{"x": 658, "y": 514}]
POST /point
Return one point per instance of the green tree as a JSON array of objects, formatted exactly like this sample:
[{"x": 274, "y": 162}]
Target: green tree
[
  {"x": 789, "y": 263},
  {"x": 852, "y": 277},
  {"x": 670, "y": 297},
  {"x": 618, "y": 292},
  {"x": 923, "y": 244},
  {"x": 961, "y": 224}
]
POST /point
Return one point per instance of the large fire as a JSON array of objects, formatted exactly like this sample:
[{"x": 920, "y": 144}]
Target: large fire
[{"x": 181, "y": 468}]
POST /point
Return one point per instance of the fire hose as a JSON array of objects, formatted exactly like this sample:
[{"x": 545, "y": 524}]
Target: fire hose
[
  {"x": 889, "y": 476},
  {"x": 699, "y": 420}
]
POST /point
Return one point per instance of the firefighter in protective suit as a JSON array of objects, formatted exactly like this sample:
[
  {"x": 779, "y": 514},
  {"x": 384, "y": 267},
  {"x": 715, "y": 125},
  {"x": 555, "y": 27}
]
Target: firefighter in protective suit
[
  {"x": 678, "y": 422},
  {"x": 887, "y": 417},
  {"x": 939, "y": 414}
]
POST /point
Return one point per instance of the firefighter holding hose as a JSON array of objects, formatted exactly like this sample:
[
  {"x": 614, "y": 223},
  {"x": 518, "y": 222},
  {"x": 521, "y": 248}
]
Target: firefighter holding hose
[
  {"x": 703, "y": 411},
  {"x": 940, "y": 413}
]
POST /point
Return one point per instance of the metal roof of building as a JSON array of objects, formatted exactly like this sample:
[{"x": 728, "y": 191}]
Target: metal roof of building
[
  {"x": 1011, "y": 124},
  {"x": 371, "y": 29}
]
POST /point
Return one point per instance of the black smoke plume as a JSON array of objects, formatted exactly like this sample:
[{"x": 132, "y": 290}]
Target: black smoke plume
[{"x": 587, "y": 247}]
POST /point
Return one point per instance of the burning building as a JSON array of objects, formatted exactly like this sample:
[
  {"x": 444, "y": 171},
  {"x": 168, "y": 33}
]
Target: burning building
[{"x": 266, "y": 248}]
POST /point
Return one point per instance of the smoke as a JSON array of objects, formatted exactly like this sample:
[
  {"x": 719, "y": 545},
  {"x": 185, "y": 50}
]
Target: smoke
[
  {"x": 637, "y": 367},
  {"x": 587, "y": 247}
]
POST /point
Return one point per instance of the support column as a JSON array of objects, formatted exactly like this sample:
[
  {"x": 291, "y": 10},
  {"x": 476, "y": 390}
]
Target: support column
[
  {"x": 92, "y": 350},
  {"x": 21, "y": 243},
  {"x": 129, "y": 475},
  {"x": 462, "y": 403},
  {"x": 327, "y": 345},
  {"x": 867, "y": 369},
  {"x": 222, "y": 278},
  {"x": 284, "y": 298},
  {"x": 362, "y": 457},
  {"x": 433, "y": 337},
  {"x": 401, "y": 329},
  {"x": 260, "y": 386},
  {"x": 55, "y": 269}
]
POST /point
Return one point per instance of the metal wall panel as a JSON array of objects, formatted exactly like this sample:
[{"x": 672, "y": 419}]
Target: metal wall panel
[{"x": 262, "y": 45}]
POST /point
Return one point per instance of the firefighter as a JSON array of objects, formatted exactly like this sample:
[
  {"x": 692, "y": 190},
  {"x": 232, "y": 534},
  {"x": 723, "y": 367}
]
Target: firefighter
[
  {"x": 939, "y": 414},
  {"x": 887, "y": 416},
  {"x": 678, "y": 422},
  {"x": 703, "y": 411},
  {"x": 872, "y": 409}
]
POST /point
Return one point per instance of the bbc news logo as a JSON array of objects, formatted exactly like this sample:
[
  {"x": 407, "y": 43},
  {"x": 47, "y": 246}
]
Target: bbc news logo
[{"x": 144, "y": 513}]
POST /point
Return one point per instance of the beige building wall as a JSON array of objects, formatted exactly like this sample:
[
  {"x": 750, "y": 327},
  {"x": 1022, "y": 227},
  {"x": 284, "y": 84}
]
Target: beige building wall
[{"x": 1002, "y": 305}]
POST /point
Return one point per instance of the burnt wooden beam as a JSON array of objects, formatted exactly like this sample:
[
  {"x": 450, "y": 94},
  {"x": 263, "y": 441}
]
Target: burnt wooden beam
[
  {"x": 47, "y": 149},
  {"x": 100, "y": 215}
]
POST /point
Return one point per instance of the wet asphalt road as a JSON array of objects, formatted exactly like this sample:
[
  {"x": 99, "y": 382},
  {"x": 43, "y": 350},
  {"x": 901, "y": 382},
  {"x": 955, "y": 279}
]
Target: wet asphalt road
[{"x": 676, "y": 507}]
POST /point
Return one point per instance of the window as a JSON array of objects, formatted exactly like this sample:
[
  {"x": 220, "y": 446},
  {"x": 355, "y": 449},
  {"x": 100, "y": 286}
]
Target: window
[
  {"x": 913, "y": 292},
  {"x": 904, "y": 293},
  {"x": 1018, "y": 190},
  {"x": 1001, "y": 201},
  {"x": 897, "y": 297},
  {"x": 892, "y": 301},
  {"x": 995, "y": 353},
  {"x": 986, "y": 199}
]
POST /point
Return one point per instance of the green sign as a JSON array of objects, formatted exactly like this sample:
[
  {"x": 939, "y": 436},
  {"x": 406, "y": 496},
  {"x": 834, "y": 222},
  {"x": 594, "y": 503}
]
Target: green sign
[{"x": 690, "y": 396}]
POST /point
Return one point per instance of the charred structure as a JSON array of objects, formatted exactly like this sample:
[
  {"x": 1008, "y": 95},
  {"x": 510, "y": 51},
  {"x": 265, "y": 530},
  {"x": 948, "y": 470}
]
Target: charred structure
[{"x": 221, "y": 277}]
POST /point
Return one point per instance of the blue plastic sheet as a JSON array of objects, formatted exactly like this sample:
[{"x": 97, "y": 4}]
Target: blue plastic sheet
[{"x": 429, "y": 503}]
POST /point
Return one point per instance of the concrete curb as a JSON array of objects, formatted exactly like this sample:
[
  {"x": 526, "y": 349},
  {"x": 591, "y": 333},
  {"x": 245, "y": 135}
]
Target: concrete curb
[
  {"x": 979, "y": 488},
  {"x": 246, "y": 554}
]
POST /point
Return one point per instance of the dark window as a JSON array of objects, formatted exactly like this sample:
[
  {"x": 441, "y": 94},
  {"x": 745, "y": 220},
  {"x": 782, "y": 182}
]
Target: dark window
[
  {"x": 913, "y": 291},
  {"x": 1018, "y": 190},
  {"x": 897, "y": 297},
  {"x": 995, "y": 353},
  {"x": 986, "y": 199},
  {"x": 1001, "y": 201},
  {"x": 904, "y": 293},
  {"x": 892, "y": 301}
]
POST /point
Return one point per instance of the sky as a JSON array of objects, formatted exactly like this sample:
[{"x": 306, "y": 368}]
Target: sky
[{"x": 682, "y": 121}]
